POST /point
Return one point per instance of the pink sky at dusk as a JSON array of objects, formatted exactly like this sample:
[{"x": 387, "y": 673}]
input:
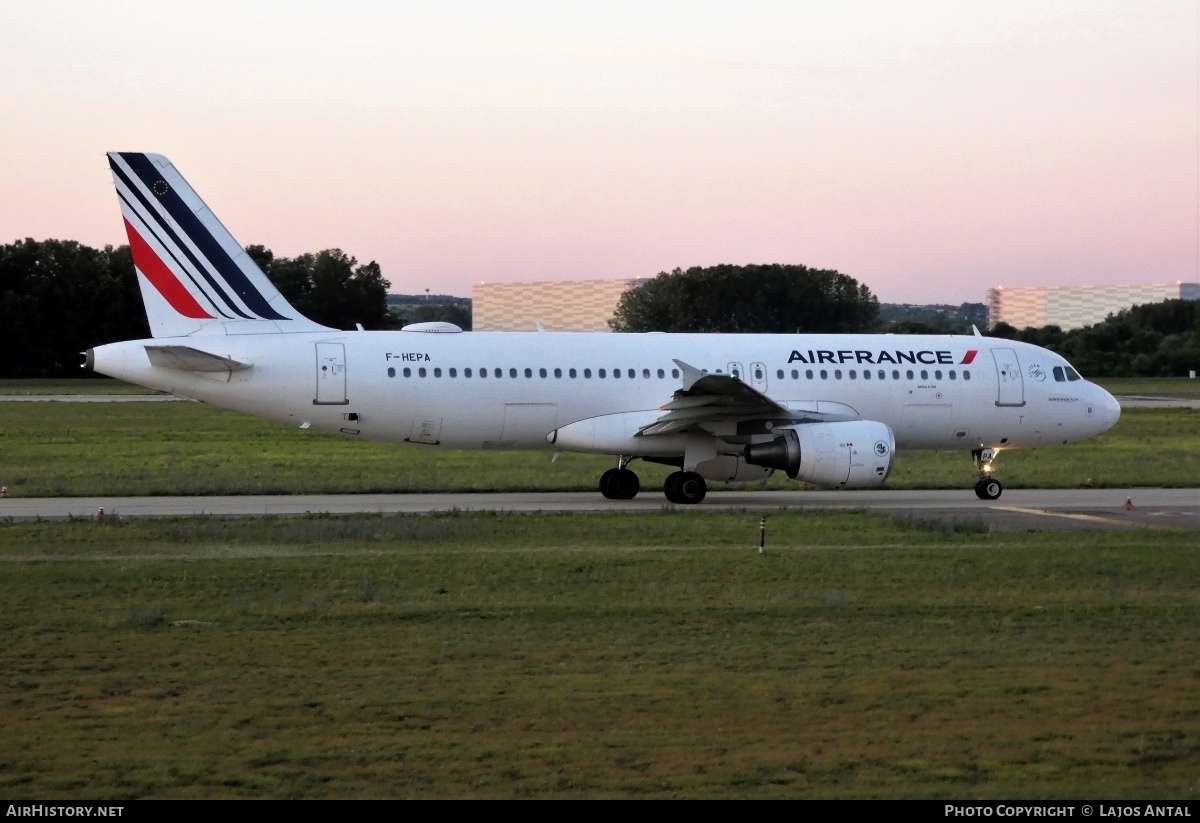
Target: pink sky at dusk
[{"x": 929, "y": 149}]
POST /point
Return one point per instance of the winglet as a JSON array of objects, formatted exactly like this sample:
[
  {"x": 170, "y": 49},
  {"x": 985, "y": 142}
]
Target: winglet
[
  {"x": 690, "y": 374},
  {"x": 975, "y": 329}
]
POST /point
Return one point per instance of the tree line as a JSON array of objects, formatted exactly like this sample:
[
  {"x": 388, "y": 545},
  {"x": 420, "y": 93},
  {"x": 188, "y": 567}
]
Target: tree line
[{"x": 1151, "y": 340}]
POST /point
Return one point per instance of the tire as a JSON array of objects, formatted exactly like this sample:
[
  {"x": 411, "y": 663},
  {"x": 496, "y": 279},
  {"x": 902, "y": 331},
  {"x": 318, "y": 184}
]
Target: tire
[
  {"x": 690, "y": 488},
  {"x": 988, "y": 489},
  {"x": 607, "y": 485},
  {"x": 671, "y": 487},
  {"x": 625, "y": 485}
]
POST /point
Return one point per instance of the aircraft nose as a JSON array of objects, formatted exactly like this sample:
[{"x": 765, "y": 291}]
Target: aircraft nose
[{"x": 1108, "y": 410}]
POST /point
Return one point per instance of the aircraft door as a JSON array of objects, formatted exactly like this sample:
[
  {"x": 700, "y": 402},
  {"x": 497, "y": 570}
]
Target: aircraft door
[
  {"x": 1011, "y": 391},
  {"x": 735, "y": 370},
  {"x": 758, "y": 377},
  {"x": 331, "y": 375}
]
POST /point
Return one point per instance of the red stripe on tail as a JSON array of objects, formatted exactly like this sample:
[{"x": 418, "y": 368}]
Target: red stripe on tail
[{"x": 167, "y": 284}]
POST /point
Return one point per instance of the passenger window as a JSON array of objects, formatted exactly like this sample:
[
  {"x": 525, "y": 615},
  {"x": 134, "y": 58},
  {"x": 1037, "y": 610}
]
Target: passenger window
[
  {"x": 632, "y": 374},
  {"x": 466, "y": 372},
  {"x": 837, "y": 374},
  {"x": 795, "y": 374},
  {"x": 966, "y": 375},
  {"x": 529, "y": 372},
  {"x": 407, "y": 371},
  {"x": 571, "y": 373},
  {"x": 391, "y": 372},
  {"x": 454, "y": 372},
  {"x": 661, "y": 374},
  {"x": 646, "y": 374},
  {"x": 824, "y": 374},
  {"x": 421, "y": 371},
  {"x": 600, "y": 373},
  {"x": 853, "y": 374},
  {"x": 675, "y": 373},
  {"x": 953, "y": 374},
  {"x": 541, "y": 373},
  {"x": 808, "y": 374},
  {"x": 937, "y": 375},
  {"x": 512, "y": 372},
  {"x": 924, "y": 374},
  {"x": 616, "y": 374},
  {"x": 910, "y": 374},
  {"x": 437, "y": 372},
  {"x": 896, "y": 374},
  {"x": 779, "y": 374},
  {"x": 558, "y": 372},
  {"x": 866, "y": 374},
  {"x": 483, "y": 372}
]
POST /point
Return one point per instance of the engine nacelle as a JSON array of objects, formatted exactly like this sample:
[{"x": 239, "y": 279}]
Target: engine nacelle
[{"x": 856, "y": 454}]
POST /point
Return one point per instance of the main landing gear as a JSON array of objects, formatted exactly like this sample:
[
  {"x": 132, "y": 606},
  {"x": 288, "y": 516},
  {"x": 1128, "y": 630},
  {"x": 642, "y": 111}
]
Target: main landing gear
[
  {"x": 987, "y": 487},
  {"x": 685, "y": 488},
  {"x": 681, "y": 488},
  {"x": 620, "y": 483}
]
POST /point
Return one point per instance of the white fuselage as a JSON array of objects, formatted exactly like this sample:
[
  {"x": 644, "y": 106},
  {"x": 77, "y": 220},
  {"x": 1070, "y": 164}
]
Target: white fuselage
[{"x": 429, "y": 389}]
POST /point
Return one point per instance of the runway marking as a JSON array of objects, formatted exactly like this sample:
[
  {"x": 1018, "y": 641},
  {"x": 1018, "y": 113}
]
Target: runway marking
[{"x": 1088, "y": 518}]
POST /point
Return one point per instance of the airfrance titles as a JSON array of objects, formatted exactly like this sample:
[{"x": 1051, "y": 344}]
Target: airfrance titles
[{"x": 895, "y": 357}]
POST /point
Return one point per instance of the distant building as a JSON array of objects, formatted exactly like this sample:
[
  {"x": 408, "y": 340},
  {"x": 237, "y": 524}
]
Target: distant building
[
  {"x": 1075, "y": 306},
  {"x": 559, "y": 305}
]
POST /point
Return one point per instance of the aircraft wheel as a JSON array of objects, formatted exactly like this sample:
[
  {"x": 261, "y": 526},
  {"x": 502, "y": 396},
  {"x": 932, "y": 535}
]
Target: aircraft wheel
[
  {"x": 607, "y": 485},
  {"x": 685, "y": 488},
  {"x": 671, "y": 487},
  {"x": 625, "y": 484},
  {"x": 988, "y": 489}
]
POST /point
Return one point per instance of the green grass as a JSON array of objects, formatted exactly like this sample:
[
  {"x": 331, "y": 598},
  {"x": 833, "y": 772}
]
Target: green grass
[
  {"x": 595, "y": 656},
  {"x": 66, "y": 449},
  {"x": 1181, "y": 387},
  {"x": 91, "y": 385}
]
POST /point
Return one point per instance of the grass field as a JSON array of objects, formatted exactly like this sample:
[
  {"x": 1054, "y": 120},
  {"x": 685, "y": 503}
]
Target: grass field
[
  {"x": 97, "y": 385},
  {"x": 1152, "y": 386},
  {"x": 596, "y": 655},
  {"x": 68, "y": 449}
]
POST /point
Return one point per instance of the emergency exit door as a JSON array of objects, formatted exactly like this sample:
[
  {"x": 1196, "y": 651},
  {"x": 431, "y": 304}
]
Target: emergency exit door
[{"x": 331, "y": 375}]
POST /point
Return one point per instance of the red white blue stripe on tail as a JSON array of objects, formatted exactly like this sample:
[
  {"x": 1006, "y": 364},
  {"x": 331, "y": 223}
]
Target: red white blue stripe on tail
[{"x": 194, "y": 276}]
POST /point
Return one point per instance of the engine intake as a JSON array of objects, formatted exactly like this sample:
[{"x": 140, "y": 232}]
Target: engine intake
[{"x": 855, "y": 454}]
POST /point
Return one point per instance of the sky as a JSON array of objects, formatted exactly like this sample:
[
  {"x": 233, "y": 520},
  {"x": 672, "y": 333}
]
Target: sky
[{"x": 929, "y": 149}]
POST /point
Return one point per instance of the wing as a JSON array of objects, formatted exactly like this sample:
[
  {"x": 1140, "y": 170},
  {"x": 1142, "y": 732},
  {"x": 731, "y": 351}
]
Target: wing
[{"x": 723, "y": 404}]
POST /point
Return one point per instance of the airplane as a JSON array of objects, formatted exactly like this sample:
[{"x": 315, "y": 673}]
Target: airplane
[{"x": 825, "y": 409}]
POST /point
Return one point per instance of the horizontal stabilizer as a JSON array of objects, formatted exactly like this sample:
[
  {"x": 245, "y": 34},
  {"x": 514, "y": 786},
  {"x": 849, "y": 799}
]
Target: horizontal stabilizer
[{"x": 185, "y": 358}]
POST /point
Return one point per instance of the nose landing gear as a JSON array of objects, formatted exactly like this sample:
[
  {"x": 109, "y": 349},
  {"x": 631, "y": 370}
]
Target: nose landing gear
[{"x": 987, "y": 487}]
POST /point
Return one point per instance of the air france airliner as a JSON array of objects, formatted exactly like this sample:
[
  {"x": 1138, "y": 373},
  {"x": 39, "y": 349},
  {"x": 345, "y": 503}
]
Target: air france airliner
[{"x": 826, "y": 409}]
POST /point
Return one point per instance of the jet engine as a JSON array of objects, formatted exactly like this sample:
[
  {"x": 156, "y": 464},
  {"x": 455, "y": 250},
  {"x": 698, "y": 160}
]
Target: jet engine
[{"x": 856, "y": 454}]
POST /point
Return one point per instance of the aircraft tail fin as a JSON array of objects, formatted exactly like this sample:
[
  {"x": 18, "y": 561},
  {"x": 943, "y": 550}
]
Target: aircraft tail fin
[{"x": 194, "y": 277}]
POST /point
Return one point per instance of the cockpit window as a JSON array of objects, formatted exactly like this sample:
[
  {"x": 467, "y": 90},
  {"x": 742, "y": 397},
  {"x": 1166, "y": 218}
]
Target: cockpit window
[
  {"x": 1059, "y": 377},
  {"x": 1072, "y": 375}
]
